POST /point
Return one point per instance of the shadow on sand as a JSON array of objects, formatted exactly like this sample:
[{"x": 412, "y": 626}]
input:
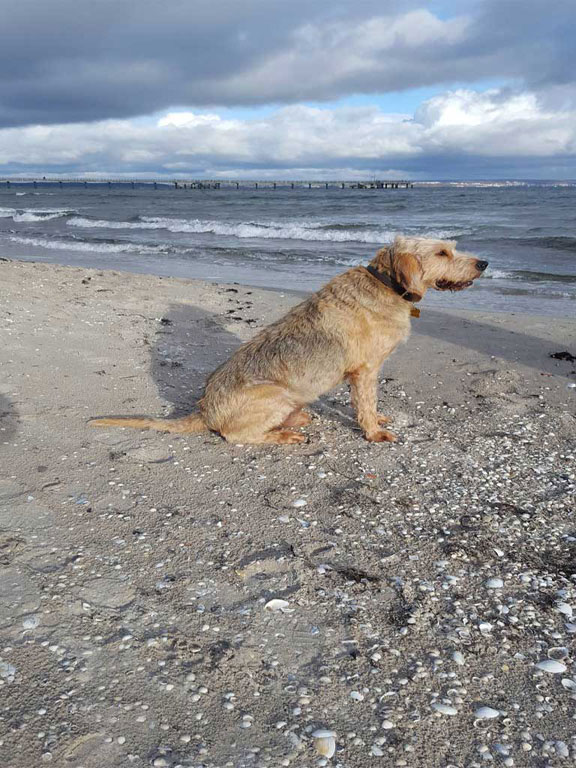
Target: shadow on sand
[
  {"x": 495, "y": 340},
  {"x": 8, "y": 420},
  {"x": 191, "y": 343}
]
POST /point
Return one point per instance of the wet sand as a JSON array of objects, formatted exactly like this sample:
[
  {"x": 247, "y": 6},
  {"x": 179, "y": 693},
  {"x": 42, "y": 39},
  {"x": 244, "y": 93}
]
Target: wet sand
[{"x": 426, "y": 581}]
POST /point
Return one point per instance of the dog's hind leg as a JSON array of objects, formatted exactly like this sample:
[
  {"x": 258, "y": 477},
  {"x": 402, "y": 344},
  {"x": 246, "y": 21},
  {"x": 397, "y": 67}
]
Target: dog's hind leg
[
  {"x": 297, "y": 418},
  {"x": 261, "y": 413},
  {"x": 364, "y": 394}
]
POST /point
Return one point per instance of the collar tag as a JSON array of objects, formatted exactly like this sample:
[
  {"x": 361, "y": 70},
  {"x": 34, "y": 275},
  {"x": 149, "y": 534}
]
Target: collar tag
[{"x": 415, "y": 312}]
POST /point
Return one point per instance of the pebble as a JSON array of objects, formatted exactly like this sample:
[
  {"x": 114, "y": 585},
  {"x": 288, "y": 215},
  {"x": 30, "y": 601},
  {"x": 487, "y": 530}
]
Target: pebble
[
  {"x": 494, "y": 583},
  {"x": 299, "y": 503}
]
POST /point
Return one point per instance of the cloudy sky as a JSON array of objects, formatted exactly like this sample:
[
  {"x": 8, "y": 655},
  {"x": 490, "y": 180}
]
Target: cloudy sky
[{"x": 289, "y": 88}]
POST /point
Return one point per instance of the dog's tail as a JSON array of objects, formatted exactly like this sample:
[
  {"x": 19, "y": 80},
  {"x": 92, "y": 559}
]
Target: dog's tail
[{"x": 192, "y": 423}]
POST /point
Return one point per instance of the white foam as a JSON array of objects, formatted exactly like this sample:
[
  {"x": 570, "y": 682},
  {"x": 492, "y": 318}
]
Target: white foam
[
  {"x": 34, "y": 214},
  {"x": 300, "y": 230},
  {"x": 498, "y": 274},
  {"x": 82, "y": 245},
  {"x": 28, "y": 217}
]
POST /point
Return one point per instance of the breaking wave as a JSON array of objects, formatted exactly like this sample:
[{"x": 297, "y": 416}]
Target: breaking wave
[
  {"x": 301, "y": 230},
  {"x": 27, "y": 215},
  {"x": 86, "y": 245}
]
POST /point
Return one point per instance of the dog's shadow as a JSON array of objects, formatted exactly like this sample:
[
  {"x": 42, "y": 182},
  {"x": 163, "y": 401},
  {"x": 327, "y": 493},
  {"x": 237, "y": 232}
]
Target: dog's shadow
[{"x": 190, "y": 344}]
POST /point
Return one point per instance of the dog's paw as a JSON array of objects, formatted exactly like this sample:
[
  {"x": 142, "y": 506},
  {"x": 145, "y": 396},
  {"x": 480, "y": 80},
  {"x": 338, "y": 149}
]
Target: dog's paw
[
  {"x": 286, "y": 437},
  {"x": 381, "y": 436},
  {"x": 383, "y": 419}
]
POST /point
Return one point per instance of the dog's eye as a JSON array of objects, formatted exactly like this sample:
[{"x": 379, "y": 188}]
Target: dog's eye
[{"x": 443, "y": 253}]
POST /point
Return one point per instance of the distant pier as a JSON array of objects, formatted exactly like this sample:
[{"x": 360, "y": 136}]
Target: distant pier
[{"x": 206, "y": 183}]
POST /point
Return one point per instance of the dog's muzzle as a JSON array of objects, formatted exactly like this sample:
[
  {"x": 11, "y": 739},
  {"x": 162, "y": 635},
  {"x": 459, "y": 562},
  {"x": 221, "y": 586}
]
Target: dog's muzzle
[{"x": 481, "y": 265}]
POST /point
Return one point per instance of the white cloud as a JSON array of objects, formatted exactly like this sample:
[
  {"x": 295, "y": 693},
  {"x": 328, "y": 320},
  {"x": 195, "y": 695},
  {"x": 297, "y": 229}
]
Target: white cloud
[{"x": 459, "y": 124}]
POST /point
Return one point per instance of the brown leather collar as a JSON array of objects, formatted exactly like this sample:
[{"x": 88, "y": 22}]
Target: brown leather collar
[{"x": 390, "y": 282}]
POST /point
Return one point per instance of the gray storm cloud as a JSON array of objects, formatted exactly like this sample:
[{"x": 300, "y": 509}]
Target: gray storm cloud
[
  {"x": 70, "y": 61},
  {"x": 86, "y": 87}
]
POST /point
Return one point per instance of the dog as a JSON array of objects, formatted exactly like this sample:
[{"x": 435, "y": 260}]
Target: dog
[{"x": 343, "y": 332}]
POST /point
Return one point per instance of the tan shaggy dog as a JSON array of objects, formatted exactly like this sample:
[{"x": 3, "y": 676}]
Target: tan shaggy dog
[{"x": 344, "y": 331}]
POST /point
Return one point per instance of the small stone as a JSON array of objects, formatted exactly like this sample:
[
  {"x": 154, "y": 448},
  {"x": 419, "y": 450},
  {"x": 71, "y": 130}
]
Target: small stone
[
  {"x": 494, "y": 583},
  {"x": 299, "y": 503}
]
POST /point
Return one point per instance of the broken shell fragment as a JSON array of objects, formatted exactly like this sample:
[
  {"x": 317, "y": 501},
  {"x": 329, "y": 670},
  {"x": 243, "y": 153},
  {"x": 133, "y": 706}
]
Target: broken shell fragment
[
  {"x": 551, "y": 666},
  {"x": 558, "y": 653},
  {"x": 570, "y": 685},
  {"x": 325, "y": 742},
  {"x": 278, "y": 606}
]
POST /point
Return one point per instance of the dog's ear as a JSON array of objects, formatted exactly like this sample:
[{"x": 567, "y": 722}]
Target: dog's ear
[
  {"x": 408, "y": 272},
  {"x": 383, "y": 260}
]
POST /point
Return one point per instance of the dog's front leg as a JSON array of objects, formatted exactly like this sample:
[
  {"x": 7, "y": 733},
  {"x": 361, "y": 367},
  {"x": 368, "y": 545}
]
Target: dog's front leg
[{"x": 364, "y": 393}]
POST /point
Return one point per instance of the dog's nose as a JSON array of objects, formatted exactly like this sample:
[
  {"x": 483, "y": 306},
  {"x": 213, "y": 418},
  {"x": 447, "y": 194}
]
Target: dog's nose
[{"x": 481, "y": 265}]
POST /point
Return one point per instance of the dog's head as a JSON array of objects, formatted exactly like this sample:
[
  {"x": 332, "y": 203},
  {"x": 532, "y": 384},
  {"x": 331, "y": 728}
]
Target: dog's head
[{"x": 419, "y": 263}]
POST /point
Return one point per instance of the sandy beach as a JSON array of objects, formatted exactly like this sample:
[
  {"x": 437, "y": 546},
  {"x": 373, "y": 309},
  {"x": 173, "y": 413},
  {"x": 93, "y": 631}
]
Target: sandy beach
[{"x": 430, "y": 584}]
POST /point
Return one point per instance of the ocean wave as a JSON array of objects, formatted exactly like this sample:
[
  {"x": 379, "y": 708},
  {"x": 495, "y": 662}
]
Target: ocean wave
[
  {"x": 527, "y": 275},
  {"x": 270, "y": 230},
  {"x": 555, "y": 242},
  {"x": 86, "y": 245},
  {"x": 28, "y": 215},
  {"x": 252, "y": 230}
]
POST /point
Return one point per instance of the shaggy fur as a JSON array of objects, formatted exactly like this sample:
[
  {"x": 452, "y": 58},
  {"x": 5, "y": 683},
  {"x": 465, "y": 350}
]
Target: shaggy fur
[{"x": 344, "y": 331}]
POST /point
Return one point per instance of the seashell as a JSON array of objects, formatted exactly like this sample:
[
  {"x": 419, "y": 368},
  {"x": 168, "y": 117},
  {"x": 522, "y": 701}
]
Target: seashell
[
  {"x": 356, "y": 696},
  {"x": 278, "y": 606},
  {"x": 494, "y": 583},
  {"x": 458, "y": 658},
  {"x": 325, "y": 742},
  {"x": 570, "y": 628},
  {"x": 299, "y": 503},
  {"x": 570, "y": 685},
  {"x": 565, "y": 608},
  {"x": 486, "y": 713},
  {"x": 552, "y": 666},
  {"x": 485, "y": 627},
  {"x": 444, "y": 709},
  {"x": 558, "y": 653}
]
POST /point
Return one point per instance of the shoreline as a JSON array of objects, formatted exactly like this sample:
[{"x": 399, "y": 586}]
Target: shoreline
[{"x": 425, "y": 579}]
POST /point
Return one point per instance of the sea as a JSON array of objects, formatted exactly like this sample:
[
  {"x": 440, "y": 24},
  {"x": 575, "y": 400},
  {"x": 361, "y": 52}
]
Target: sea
[{"x": 297, "y": 239}]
